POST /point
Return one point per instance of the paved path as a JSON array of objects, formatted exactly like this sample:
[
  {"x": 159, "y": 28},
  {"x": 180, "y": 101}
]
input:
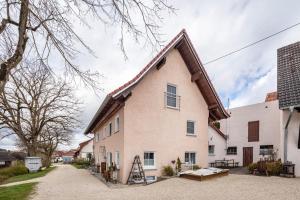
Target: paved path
[{"x": 69, "y": 183}]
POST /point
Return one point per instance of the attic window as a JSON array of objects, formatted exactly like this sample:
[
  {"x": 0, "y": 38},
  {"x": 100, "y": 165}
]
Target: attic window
[{"x": 171, "y": 97}]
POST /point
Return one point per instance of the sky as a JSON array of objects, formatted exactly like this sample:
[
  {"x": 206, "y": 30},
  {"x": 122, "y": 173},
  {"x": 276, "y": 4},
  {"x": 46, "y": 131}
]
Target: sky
[{"x": 215, "y": 28}]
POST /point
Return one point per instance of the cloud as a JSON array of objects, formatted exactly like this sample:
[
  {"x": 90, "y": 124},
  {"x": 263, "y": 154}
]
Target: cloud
[{"x": 215, "y": 28}]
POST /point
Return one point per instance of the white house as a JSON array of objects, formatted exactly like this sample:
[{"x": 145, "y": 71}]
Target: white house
[
  {"x": 253, "y": 131},
  {"x": 259, "y": 130},
  {"x": 85, "y": 150}
]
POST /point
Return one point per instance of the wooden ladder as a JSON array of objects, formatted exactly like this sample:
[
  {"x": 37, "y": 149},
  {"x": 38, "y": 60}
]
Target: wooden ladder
[{"x": 137, "y": 174}]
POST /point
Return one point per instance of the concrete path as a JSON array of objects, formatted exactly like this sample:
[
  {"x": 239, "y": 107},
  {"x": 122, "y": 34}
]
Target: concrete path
[
  {"x": 22, "y": 182},
  {"x": 69, "y": 183}
]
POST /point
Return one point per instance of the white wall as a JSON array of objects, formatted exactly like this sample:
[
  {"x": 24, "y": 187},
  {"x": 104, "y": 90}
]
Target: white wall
[
  {"x": 293, "y": 153},
  {"x": 236, "y": 127},
  {"x": 219, "y": 142},
  {"x": 86, "y": 149}
]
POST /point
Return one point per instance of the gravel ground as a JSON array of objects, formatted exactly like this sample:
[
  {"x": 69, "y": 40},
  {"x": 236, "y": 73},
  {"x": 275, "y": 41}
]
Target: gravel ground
[{"x": 66, "y": 183}]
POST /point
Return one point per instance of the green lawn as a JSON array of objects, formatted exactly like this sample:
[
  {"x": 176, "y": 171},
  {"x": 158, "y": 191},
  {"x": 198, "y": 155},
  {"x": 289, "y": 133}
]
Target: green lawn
[
  {"x": 16, "y": 192},
  {"x": 28, "y": 176}
]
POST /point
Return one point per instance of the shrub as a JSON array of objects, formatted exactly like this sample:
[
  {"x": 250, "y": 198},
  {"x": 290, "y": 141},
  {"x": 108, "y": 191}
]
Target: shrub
[
  {"x": 16, "y": 170},
  {"x": 178, "y": 165},
  {"x": 168, "y": 171},
  {"x": 196, "y": 167},
  {"x": 274, "y": 168},
  {"x": 81, "y": 161},
  {"x": 252, "y": 167}
]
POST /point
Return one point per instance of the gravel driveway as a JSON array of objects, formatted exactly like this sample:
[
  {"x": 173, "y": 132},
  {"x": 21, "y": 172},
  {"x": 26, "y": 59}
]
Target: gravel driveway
[{"x": 66, "y": 182}]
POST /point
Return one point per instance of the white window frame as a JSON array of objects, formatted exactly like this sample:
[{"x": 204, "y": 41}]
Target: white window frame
[
  {"x": 189, "y": 162},
  {"x": 213, "y": 153},
  {"x": 176, "y": 95},
  {"x": 117, "y": 123},
  {"x": 149, "y": 167},
  {"x": 117, "y": 159},
  {"x": 109, "y": 159},
  {"x": 190, "y": 134}
]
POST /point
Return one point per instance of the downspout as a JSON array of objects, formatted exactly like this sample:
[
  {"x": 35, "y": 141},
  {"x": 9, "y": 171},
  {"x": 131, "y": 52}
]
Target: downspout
[{"x": 286, "y": 134}]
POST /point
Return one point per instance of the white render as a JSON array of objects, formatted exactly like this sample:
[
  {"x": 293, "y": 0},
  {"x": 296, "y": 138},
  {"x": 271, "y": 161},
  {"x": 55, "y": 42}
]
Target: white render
[
  {"x": 293, "y": 153},
  {"x": 219, "y": 142},
  {"x": 236, "y": 127},
  {"x": 272, "y": 121},
  {"x": 87, "y": 149}
]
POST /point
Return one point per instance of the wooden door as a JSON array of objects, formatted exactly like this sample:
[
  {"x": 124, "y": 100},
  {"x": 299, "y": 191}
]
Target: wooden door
[{"x": 247, "y": 156}]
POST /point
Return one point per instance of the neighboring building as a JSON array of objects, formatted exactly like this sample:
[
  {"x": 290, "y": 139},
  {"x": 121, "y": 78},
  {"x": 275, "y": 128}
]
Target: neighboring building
[
  {"x": 253, "y": 131},
  {"x": 68, "y": 156},
  {"x": 216, "y": 144},
  {"x": 160, "y": 115},
  {"x": 8, "y": 158},
  {"x": 288, "y": 86},
  {"x": 85, "y": 150},
  {"x": 256, "y": 131}
]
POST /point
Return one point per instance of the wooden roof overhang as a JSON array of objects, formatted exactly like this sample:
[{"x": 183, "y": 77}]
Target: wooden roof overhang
[{"x": 200, "y": 77}]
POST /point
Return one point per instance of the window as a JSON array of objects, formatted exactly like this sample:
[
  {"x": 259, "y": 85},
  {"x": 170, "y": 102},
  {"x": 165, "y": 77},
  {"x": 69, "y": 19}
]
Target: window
[
  {"x": 151, "y": 179},
  {"x": 171, "y": 96},
  {"x": 2, "y": 162},
  {"x": 211, "y": 150},
  {"x": 232, "y": 151},
  {"x": 105, "y": 132},
  {"x": 190, "y": 127},
  {"x": 98, "y": 136},
  {"x": 190, "y": 157},
  {"x": 109, "y": 159},
  {"x": 117, "y": 159},
  {"x": 110, "y": 129},
  {"x": 117, "y": 123},
  {"x": 265, "y": 150},
  {"x": 253, "y": 131},
  {"x": 149, "y": 159}
]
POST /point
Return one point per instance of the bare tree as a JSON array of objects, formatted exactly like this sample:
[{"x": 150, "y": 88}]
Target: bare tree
[
  {"x": 53, "y": 135},
  {"x": 36, "y": 28},
  {"x": 35, "y": 107}
]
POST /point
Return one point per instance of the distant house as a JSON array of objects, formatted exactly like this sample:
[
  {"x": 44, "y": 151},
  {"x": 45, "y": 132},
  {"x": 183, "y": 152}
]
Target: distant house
[
  {"x": 68, "y": 156},
  {"x": 162, "y": 114},
  {"x": 7, "y": 158},
  {"x": 85, "y": 150}
]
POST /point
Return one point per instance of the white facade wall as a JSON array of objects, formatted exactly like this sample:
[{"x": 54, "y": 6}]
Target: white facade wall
[
  {"x": 219, "y": 142},
  {"x": 236, "y": 127},
  {"x": 293, "y": 153},
  {"x": 86, "y": 150}
]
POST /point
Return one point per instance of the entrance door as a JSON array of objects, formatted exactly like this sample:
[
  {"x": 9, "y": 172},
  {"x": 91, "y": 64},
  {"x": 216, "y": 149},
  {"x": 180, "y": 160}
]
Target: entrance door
[{"x": 247, "y": 156}]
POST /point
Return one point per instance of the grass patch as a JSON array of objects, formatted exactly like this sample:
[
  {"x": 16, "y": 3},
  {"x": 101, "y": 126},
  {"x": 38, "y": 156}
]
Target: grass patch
[
  {"x": 17, "y": 192},
  {"x": 25, "y": 177}
]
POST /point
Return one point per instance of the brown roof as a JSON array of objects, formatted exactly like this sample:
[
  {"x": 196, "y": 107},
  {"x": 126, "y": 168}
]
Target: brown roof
[
  {"x": 288, "y": 75},
  {"x": 81, "y": 145},
  {"x": 271, "y": 96},
  {"x": 183, "y": 44}
]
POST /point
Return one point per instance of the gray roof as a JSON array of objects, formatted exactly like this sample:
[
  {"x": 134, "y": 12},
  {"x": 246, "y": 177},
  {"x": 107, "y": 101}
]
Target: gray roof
[
  {"x": 6, "y": 156},
  {"x": 288, "y": 75}
]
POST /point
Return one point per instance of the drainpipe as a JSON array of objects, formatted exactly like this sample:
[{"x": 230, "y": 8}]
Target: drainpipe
[{"x": 286, "y": 134}]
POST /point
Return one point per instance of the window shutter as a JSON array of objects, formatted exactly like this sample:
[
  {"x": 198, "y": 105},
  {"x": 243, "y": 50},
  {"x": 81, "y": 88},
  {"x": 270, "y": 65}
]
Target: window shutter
[{"x": 253, "y": 131}]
